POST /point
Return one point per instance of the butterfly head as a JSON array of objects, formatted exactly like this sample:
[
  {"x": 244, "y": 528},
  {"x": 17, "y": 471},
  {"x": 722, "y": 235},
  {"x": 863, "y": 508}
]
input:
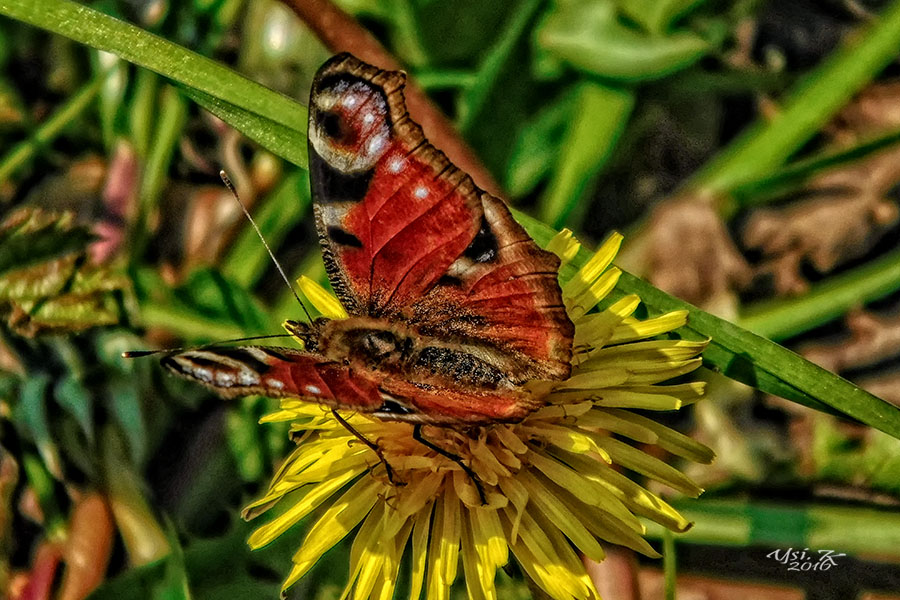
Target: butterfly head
[
  {"x": 350, "y": 113},
  {"x": 307, "y": 333}
]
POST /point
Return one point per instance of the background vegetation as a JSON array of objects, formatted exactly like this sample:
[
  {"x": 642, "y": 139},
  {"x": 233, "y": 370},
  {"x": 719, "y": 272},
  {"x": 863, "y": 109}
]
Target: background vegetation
[{"x": 748, "y": 150}]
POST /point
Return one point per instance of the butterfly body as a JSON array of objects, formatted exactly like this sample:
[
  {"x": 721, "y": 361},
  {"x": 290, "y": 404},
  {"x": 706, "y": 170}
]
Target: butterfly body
[{"x": 455, "y": 312}]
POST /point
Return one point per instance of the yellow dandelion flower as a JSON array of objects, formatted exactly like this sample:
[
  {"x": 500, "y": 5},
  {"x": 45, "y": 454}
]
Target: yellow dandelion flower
[{"x": 553, "y": 483}]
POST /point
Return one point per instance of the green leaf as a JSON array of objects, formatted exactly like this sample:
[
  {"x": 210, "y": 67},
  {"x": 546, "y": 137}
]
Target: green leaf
[
  {"x": 174, "y": 584},
  {"x": 873, "y": 462},
  {"x": 29, "y": 237},
  {"x": 31, "y": 411},
  {"x": 749, "y": 358},
  {"x": 656, "y": 16},
  {"x": 598, "y": 119},
  {"x": 124, "y": 403},
  {"x": 44, "y": 279},
  {"x": 209, "y": 293},
  {"x": 589, "y": 36},
  {"x": 40, "y": 480},
  {"x": 68, "y": 312},
  {"x": 74, "y": 398},
  {"x": 245, "y": 438}
]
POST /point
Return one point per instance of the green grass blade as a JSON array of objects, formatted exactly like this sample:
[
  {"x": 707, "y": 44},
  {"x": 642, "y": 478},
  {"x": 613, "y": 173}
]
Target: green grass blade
[
  {"x": 289, "y": 144},
  {"x": 95, "y": 29},
  {"x": 474, "y": 96},
  {"x": 21, "y": 153},
  {"x": 782, "y": 318},
  {"x": 161, "y": 150},
  {"x": 765, "y": 146},
  {"x": 794, "y": 175},
  {"x": 600, "y": 115},
  {"x": 749, "y": 358},
  {"x": 742, "y": 523}
]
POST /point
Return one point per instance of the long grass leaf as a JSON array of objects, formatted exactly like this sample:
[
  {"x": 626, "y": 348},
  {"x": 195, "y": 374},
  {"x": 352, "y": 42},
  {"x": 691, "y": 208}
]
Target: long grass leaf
[
  {"x": 749, "y": 358},
  {"x": 93, "y": 28}
]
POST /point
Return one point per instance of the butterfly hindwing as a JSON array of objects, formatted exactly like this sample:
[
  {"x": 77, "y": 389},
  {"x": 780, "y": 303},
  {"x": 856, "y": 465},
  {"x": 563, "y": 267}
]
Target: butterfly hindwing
[{"x": 277, "y": 372}]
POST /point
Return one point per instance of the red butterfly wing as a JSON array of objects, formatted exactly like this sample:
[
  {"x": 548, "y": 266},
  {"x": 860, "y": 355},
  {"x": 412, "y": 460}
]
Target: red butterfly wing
[
  {"x": 277, "y": 372},
  {"x": 408, "y": 236}
]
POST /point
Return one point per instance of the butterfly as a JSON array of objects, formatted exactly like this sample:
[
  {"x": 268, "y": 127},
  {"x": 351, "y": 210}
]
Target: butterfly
[{"x": 454, "y": 311}]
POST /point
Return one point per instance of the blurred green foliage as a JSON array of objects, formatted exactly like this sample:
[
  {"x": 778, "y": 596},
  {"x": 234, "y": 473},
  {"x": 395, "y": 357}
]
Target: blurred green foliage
[{"x": 558, "y": 98}]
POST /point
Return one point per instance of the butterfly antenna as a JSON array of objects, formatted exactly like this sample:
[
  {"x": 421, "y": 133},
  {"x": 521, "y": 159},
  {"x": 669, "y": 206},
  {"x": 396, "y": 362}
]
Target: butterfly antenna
[
  {"x": 143, "y": 353},
  {"x": 227, "y": 181}
]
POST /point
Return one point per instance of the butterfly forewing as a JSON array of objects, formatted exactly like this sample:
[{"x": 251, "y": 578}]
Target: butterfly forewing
[{"x": 420, "y": 242}]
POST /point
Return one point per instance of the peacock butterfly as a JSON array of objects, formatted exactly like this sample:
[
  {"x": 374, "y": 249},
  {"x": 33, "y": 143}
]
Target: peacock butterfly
[{"x": 454, "y": 310}]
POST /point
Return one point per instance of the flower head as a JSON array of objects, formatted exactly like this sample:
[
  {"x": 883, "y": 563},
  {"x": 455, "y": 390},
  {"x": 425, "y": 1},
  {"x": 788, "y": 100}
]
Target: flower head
[{"x": 552, "y": 482}]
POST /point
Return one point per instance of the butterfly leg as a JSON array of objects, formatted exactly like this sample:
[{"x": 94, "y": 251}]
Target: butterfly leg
[
  {"x": 372, "y": 446},
  {"x": 417, "y": 435}
]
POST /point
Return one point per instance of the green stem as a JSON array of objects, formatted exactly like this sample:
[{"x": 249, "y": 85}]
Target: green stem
[
  {"x": 782, "y": 318},
  {"x": 741, "y": 523},
  {"x": 24, "y": 151},
  {"x": 669, "y": 564},
  {"x": 172, "y": 114},
  {"x": 442, "y": 79},
  {"x": 140, "y": 117},
  {"x": 811, "y": 104}
]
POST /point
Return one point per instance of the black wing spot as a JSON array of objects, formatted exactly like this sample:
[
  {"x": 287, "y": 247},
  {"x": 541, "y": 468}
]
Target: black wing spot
[
  {"x": 343, "y": 237},
  {"x": 342, "y": 81},
  {"x": 394, "y": 408},
  {"x": 484, "y": 247},
  {"x": 331, "y": 185},
  {"x": 238, "y": 354},
  {"x": 332, "y": 124},
  {"x": 449, "y": 280}
]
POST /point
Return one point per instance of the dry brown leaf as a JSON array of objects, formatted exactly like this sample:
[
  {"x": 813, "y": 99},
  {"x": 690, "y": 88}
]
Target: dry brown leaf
[{"x": 692, "y": 255}]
